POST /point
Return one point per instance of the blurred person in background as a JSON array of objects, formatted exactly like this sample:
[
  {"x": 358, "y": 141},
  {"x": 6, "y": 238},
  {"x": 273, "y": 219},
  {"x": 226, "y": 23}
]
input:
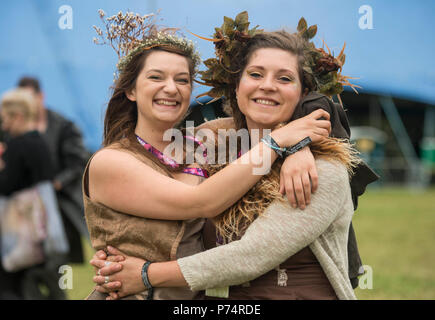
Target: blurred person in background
[
  {"x": 25, "y": 161},
  {"x": 69, "y": 157}
]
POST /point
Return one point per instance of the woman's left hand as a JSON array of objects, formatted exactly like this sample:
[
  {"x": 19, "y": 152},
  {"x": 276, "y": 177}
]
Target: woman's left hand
[
  {"x": 124, "y": 277},
  {"x": 298, "y": 178}
]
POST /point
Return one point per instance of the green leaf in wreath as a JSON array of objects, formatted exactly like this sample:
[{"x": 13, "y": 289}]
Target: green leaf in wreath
[
  {"x": 242, "y": 17},
  {"x": 228, "y": 26},
  {"x": 302, "y": 25},
  {"x": 242, "y": 21},
  {"x": 311, "y": 32}
]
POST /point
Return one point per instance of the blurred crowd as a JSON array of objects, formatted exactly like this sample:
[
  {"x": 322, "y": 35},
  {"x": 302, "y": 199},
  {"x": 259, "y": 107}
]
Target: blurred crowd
[{"x": 38, "y": 144}]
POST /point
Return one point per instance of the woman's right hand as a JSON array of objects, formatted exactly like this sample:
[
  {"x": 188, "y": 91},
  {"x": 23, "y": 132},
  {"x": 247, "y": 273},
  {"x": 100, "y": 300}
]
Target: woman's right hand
[{"x": 316, "y": 125}]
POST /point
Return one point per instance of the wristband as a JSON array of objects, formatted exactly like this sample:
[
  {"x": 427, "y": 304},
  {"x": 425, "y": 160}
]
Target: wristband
[
  {"x": 284, "y": 152},
  {"x": 300, "y": 145},
  {"x": 146, "y": 281},
  {"x": 271, "y": 143}
]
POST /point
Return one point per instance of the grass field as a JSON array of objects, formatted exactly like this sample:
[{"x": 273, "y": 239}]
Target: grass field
[
  {"x": 395, "y": 229},
  {"x": 396, "y": 237}
]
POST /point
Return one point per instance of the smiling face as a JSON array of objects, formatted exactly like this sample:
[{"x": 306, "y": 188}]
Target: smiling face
[
  {"x": 269, "y": 88},
  {"x": 163, "y": 88}
]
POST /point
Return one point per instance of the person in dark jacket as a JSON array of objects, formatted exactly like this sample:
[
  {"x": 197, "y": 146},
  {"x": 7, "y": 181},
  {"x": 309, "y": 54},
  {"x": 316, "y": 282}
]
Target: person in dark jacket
[{"x": 69, "y": 158}]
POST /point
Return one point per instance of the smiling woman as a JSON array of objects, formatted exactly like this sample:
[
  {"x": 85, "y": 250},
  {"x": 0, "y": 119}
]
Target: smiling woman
[
  {"x": 269, "y": 88},
  {"x": 162, "y": 89}
]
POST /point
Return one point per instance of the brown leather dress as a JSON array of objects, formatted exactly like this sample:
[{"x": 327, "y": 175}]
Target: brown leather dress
[{"x": 300, "y": 277}]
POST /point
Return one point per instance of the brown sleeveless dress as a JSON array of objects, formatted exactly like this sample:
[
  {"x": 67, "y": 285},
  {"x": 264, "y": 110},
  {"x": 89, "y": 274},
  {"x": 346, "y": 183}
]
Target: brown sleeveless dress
[
  {"x": 150, "y": 239},
  {"x": 300, "y": 277}
]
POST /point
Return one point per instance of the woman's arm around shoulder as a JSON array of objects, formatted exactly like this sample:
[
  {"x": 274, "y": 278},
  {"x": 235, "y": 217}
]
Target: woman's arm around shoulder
[{"x": 122, "y": 182}]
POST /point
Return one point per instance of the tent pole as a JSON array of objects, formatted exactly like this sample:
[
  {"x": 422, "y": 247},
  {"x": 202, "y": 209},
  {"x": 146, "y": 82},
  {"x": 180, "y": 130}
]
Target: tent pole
[{"x": 415, "y": 178}]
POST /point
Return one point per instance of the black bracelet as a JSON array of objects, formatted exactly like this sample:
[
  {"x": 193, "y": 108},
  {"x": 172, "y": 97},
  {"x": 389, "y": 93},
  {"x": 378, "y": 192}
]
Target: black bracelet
[
  {"x": 146, "y": 281},
  {"x": 300, "y": 145}
]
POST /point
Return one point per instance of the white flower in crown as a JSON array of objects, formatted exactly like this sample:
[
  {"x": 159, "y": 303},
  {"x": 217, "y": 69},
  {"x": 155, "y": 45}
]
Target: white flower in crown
[{"x": 163, "y": 39}]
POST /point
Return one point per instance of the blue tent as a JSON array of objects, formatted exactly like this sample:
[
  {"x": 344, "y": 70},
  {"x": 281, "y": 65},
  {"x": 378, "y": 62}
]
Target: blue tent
[{"x": 393, "y": 56}]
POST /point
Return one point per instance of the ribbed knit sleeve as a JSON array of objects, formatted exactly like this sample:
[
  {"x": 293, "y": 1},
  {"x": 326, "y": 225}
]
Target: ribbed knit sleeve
[{"x": 273, "y": 237}]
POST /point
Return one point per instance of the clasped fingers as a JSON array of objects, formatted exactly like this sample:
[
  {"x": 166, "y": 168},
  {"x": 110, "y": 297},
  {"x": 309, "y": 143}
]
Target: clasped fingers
[
  {"x": 105, "y": 268},
  {"x": 105, "y": 285}
]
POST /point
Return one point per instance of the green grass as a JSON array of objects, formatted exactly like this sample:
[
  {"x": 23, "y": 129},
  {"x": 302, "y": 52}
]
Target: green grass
[
  {"x": 82, "y": 276},
  {"x": 395, "y": 229}
]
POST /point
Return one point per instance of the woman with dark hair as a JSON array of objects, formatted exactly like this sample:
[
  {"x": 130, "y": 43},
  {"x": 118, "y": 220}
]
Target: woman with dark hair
[
  {"x": 130, "y": 179},
  {"x": 281, "y": 252}
]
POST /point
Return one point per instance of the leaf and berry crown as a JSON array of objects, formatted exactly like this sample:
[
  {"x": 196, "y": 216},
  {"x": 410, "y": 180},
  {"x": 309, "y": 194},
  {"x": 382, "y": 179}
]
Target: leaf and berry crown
[{"x": 322, "y": 68}]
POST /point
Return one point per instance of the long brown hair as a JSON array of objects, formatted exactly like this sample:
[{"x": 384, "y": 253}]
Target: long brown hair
[
  {"x": 121, "y": 114},
  {"x": 234, "y": 221}
]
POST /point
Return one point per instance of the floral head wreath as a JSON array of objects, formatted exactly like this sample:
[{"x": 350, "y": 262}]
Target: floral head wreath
[
  {"x": 129, "y": 34},
  {"x": 234, "y": 35}
]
